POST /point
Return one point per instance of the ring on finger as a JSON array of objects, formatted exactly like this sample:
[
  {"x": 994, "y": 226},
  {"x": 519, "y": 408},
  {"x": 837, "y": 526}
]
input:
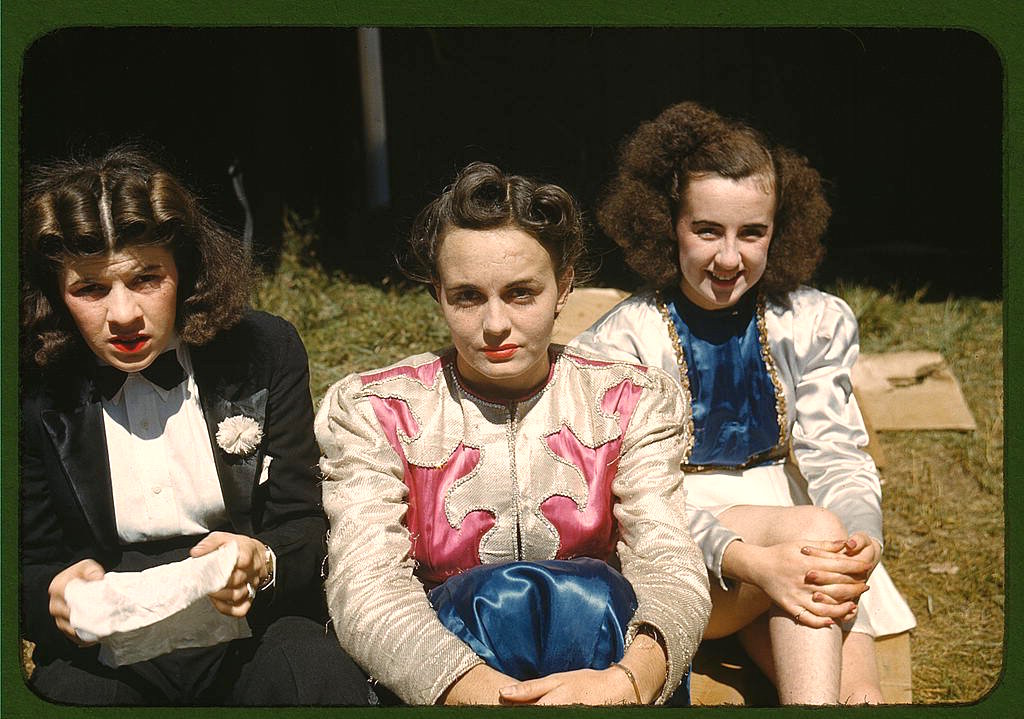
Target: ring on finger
[
  {"x": 796, "y": 617},
  {"x": 250, "y": 590}
]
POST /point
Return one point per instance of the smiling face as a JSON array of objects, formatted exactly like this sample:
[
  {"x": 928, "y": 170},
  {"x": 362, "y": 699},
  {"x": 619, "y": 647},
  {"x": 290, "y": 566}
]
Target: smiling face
[
  {"x": 724, "y": 229},
  {"x": 499, "y": 295},
  {"x": 123, "y": 303}
]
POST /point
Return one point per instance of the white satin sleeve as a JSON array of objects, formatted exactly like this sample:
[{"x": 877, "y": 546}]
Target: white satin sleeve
[
  {"x": 828, "y": 434},
  {"x": 380, "y": 611},
  {"x": 712, "y": 537},
  {"x": 657, "y": 554},
  {"x": 631, "y": 331}
]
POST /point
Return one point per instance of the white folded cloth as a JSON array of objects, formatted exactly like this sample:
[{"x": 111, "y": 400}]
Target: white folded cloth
[{"x": 140, "y": 615}]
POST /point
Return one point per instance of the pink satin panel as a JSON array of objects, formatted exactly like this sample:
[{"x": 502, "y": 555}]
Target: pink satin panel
[
  {"x": 439, "y": 550},
  {"x": 590, "y": 361},
  {"x": 621, "y": 398},
  {"x": 591, "y": 532},
  {"x": 424, "y": 374}
]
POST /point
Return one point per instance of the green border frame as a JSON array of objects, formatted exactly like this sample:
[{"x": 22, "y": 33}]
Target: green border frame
[{"x": 22, "y": 21}]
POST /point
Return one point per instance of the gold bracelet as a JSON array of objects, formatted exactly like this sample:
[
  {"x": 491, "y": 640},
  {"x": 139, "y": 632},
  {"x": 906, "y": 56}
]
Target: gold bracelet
[
  {"x": 270, "y": 561},
  {"x": 632, "y": 680}
]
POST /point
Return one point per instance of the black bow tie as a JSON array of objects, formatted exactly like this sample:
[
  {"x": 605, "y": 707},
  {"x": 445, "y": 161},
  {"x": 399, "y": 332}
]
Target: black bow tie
[{"x": 164, "y": 372}]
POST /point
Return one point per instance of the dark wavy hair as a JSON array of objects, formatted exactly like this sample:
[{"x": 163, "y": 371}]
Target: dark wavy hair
[
  {"x": 640, "y": 206},
  {"x": 78, "y": 208},
  {"x": 485, "y": 198}
]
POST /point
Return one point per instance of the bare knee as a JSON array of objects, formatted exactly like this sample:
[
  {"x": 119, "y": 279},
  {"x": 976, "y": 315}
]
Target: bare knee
[{"x": 817, "y": 523}]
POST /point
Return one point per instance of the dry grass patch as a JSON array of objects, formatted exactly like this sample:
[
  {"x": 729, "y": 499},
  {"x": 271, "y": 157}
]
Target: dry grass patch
[
  {"x": 943, "y": 495},
  {"x": 347, "y": 326}
]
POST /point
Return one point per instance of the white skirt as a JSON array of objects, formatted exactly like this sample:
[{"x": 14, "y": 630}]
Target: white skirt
[{"x": 881, "y": 611}]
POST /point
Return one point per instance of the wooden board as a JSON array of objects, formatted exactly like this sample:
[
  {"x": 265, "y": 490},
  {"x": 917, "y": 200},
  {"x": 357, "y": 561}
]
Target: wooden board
[{"x": 724, "y": 674}]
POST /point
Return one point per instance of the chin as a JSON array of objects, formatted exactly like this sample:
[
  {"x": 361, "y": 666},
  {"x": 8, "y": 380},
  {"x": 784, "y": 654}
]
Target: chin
[
  {"x": 728, "y": 300},
  {"x": 134, "y": 363},
  {"x": 502, "y": 379},
  {"x": 500, "y": 373}
]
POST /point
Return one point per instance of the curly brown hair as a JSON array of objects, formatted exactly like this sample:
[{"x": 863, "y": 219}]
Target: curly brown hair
[
  {"x": 484, "y": 198},
  {"x": 76, "y": 208},
  {"x": 640, "y": 206}
]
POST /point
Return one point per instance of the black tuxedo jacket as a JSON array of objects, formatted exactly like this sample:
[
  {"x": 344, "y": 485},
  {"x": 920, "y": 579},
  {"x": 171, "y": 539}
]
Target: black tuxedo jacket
[{"x": 258, "y": 369}]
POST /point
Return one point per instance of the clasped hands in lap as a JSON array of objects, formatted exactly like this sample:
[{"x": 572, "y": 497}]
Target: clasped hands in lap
[
  {"x": 234, "y": 600},
  {"x": 645, "y": 656},
  {"x": 484, "y": 685},
  {"x": 817, "y": 582}
]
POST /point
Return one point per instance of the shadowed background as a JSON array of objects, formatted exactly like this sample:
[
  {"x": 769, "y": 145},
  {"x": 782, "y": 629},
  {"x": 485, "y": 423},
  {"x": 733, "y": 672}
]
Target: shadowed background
[{"x": 904, "y": 124}]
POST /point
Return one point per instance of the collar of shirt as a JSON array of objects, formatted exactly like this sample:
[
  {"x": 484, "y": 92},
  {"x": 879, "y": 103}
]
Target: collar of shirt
[{"x": 141, "y": 383}]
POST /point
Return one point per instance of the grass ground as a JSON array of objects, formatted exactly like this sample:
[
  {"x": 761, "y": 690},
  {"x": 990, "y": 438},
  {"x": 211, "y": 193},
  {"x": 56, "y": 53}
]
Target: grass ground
[
  {"x": 943, "y": 495},
  {"x": 943, "y": 491},
  {"x": 346, "y": 326}
]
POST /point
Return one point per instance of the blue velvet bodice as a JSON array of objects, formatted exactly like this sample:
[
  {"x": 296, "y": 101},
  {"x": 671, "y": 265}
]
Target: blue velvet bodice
[{"x": 731, "y": 392}]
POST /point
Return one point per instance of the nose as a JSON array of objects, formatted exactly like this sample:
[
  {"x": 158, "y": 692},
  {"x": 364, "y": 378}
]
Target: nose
[
  {"x": 728, "y": 255},
  {"x": 496, "y": 322},
  {"x": 123, "y": 308}
]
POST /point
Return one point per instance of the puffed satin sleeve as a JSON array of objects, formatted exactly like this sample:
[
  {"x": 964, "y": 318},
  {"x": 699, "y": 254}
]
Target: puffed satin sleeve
[
  {"x": 828, "y": 434},
  {"x": 380, "y": 611},
  {"x": 631, "y": 331},
  {"x": 657, "y": 554}
]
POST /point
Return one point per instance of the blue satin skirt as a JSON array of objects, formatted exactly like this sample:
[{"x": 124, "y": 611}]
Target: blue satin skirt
[{"x": 531, "y": 619}]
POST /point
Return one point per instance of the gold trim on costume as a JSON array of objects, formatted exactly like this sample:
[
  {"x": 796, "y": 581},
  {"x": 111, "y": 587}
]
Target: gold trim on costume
[
  {"x": 769, "y": 363},
  {"x": 684, "y": 376}
]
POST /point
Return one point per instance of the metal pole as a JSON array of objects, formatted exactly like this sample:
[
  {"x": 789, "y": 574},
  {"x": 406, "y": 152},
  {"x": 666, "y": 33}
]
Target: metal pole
[{"x": 371, "y": 81}]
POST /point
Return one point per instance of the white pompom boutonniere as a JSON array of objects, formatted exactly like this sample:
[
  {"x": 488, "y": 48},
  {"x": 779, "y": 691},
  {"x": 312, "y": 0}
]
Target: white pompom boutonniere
[{"x": 239, "y": 435}]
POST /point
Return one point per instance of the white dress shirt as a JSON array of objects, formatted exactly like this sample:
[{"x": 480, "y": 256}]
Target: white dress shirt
[{"x": 161, "y": 459}]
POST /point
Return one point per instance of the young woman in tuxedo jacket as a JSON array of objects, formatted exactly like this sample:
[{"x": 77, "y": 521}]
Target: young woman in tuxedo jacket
[{"x": 163, "y": 418}]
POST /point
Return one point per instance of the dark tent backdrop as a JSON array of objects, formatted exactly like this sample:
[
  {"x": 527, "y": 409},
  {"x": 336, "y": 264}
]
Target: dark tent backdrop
[{"x": 905, "y": 124}]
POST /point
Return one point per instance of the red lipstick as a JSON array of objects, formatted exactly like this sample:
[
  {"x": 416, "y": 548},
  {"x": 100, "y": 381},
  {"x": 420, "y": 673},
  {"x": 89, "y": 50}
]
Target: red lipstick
[
  {"x": 129, "y": 345},
  {"x": 504, "y": 352}
]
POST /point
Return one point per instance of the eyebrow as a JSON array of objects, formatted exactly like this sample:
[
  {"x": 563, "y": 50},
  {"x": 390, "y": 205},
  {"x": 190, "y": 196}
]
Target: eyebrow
[
  {"x": 142, "y": 270},
  {"x": 528, "y": 281},
  {"x": 759, "y": 225}
]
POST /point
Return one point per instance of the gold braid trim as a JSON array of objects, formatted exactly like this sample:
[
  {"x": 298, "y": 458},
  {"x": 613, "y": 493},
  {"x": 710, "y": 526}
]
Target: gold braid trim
[
  {"x": 684, "y": 375},
  {"x": 769, "y": 363}
]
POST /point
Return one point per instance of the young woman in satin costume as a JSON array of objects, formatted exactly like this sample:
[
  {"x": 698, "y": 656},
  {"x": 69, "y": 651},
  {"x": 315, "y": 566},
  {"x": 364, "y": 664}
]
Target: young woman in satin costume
[
  {"x": 513, "y": 480},
  {"x": 783, "y": 501}
]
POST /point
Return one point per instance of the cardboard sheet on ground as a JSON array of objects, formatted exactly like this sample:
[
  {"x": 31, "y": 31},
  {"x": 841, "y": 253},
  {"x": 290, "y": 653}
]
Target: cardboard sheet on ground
[
  {"x": 585, "y": 305},
  {"x": 140, "y": 615},
  {"x": 896, "y": 391},
  {"x": 910, "y": 390}
]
